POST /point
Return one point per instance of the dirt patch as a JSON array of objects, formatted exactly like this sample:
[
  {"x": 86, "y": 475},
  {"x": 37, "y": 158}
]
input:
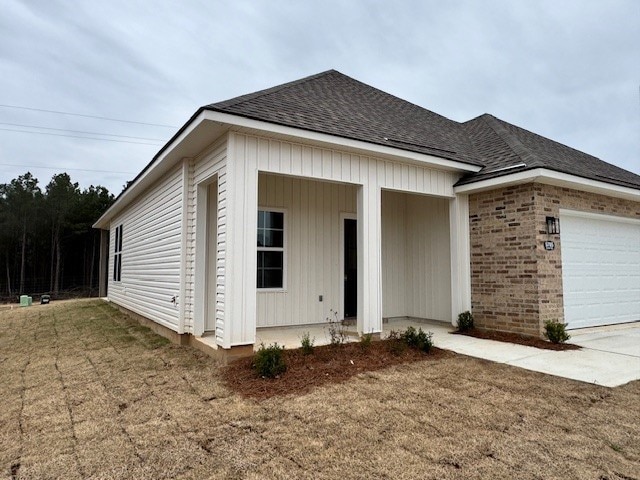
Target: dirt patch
[
  {"x": 509, "y": 337},
  {"x": 327, "y": 364}
]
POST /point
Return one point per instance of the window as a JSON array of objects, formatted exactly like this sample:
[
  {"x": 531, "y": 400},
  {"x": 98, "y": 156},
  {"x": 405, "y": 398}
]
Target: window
[
  {"x": 270, "y": 249},
  {"x": 117, "y": 255}
]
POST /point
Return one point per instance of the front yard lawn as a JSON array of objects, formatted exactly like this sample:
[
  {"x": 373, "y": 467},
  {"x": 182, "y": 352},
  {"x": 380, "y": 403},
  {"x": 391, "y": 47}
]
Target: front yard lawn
[{"x": 88, "y": 393}]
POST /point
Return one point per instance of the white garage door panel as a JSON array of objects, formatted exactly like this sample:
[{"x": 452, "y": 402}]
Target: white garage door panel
[{"x": 600, "y": 270}]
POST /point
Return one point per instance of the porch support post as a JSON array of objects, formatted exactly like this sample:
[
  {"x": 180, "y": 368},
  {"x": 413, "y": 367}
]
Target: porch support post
[
  {"x": 369, "y": 259},
  {"x": 103, "y": 269},
  {"x": 460, "y": 256},
  {"x": 240, "y": 201}
]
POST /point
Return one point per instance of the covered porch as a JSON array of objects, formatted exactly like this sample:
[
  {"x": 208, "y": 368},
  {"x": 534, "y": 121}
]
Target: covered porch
[{"x": 338, "y": 237}]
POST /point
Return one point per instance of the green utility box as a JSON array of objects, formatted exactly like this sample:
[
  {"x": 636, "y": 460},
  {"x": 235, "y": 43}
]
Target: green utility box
[{"x": 24, "y": 300}]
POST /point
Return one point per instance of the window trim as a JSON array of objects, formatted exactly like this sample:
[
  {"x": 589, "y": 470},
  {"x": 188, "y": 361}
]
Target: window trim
[
  {"x": 117, "y": 255},
  {"x": 284, "y": 250}
]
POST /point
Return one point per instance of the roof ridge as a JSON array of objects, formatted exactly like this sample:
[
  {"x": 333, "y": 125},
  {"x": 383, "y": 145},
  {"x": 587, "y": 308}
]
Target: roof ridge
[
  {"x": 513, "y": 143},
  {"x": 267, "y": 91}
]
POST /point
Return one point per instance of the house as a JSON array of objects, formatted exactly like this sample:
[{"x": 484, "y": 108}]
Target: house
[{"x": 327, "y": 195}]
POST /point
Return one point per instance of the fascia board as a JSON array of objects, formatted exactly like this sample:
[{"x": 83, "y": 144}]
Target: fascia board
[
  {"x": 332, "y": 140},
  {"x": 550, "y": 177}
]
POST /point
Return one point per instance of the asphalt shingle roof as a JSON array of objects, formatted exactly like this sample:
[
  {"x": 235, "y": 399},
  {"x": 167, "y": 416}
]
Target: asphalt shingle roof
[
  {"x": 501, "y": 145},
  {"x": 333, "y": 103}
]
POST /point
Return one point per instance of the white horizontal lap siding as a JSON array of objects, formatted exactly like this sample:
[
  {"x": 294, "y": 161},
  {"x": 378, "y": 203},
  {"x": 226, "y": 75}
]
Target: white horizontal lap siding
[
  {"x": 151, "y": 247},
  {"x": 313, "y": 243},
  {"x": 221, "y": 254},
  {"x": 204, "y": 169}
]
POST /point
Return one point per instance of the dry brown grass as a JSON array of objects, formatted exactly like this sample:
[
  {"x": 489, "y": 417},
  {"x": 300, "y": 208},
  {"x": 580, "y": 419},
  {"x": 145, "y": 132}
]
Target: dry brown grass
[{"x": 87, "y": 393}]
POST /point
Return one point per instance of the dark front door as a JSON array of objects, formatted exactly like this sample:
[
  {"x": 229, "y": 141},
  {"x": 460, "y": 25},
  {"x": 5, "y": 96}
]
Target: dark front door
[{"x": 350, "y": 268}]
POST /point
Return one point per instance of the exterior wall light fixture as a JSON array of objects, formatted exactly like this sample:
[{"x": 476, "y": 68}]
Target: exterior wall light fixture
[{"x": 553, "y": 225}]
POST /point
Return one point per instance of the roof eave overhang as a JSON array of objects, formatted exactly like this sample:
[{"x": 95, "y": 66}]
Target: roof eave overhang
[
  {"x": 365, "y": 148},
  {"x": 189, "y": 141},
  {"x": 550, "y": 177},
  {"x": 213, "y": 123}
]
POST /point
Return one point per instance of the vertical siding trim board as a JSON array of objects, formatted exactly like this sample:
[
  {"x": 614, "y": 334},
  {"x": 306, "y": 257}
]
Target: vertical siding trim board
[
  {"x": 199, "y": 294},
  {"x": 460, "y": 256},
  {"x": 182, "y": 298}
]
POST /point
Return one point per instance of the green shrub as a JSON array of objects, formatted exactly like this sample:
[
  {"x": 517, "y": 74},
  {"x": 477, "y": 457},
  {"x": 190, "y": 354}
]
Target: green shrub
[
  {"x": 307, "y": 343},
  {"x": 465, "y": 321},
  {"x": 556, "y": 331},
  {"x": 365, "y": 341},
  {"x": 269, "y": 361},
  {"x": 419, "y": 339}
]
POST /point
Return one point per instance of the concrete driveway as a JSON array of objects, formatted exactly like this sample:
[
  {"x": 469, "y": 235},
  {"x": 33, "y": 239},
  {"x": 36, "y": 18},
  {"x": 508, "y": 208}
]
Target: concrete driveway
[{"x": 610, "y": 356}]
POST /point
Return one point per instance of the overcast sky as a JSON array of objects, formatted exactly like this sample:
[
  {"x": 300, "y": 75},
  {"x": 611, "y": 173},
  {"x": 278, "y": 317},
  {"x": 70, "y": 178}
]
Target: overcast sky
[{"x": 567, "y": 70}]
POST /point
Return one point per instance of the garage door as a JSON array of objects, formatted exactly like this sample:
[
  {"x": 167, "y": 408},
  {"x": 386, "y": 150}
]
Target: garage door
[{"x": 600, "y": 269}]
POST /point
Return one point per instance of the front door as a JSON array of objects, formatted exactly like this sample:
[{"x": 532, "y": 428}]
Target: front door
[{"x": 350, "y": 268}]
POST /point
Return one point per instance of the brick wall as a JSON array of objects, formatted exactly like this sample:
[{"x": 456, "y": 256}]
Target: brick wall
[
  {"x": 516, "y": 284},
  {"x": 504, "y": 292}
]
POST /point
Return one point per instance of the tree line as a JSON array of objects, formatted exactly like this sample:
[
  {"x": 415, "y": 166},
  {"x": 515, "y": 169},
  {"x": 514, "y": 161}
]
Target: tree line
[{"x": 47, "y": 244}]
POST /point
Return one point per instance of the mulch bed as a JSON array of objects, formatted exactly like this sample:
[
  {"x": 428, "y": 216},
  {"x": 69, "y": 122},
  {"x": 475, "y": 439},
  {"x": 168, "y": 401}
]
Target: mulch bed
[
  {"x": 519, "y": 339},
  {"x": 326, "y": 365}
]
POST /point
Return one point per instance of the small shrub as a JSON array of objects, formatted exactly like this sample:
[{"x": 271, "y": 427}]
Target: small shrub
[
  {"x": 365, "y": 341},
  {"x": 465, "y": 321},
  {"x": 268, "y": 361},
  {"x": 307, "y": 343},
  {"x": 396, "y": 343},
  {"x": 556, "y": 331},
  {"x": 337, "y": 334},
  {"x": 418, "y": 339}
]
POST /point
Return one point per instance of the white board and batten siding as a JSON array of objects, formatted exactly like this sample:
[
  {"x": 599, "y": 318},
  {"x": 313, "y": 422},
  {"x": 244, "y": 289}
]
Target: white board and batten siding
[
  {"x": 312, "y": 249},
  {"x": 313, "y": 210},
  {"x": 151, "y": 252},
  {"x": 288, "y": 158},
  {"x": 600, "y": 269},
  {"x": 416, "y": 267}
]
